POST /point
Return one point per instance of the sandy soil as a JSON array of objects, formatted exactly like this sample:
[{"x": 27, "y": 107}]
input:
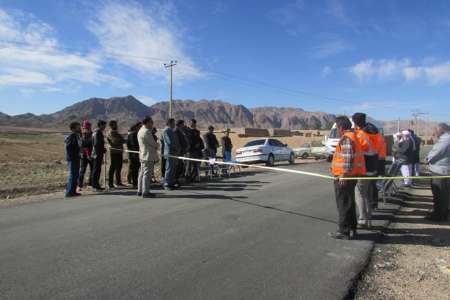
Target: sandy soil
[{"x": 412, "y": 261}]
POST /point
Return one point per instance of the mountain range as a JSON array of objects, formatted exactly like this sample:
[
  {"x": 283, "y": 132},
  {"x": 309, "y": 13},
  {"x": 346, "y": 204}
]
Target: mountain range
[{"x": 127, "y": 110}]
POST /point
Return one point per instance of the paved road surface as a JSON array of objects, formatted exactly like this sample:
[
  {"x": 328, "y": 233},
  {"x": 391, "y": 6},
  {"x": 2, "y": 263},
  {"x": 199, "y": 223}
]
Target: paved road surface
[{"x": 259, "y": 236}]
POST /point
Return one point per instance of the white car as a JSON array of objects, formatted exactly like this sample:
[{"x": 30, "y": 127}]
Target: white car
[
  {"x": 304, "y": 151},
  {"x": 265, "y": 151}
]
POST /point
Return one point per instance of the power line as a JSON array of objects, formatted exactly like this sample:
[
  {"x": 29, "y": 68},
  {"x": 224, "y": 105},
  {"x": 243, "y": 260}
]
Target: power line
[{"x": 226, "y": 76}]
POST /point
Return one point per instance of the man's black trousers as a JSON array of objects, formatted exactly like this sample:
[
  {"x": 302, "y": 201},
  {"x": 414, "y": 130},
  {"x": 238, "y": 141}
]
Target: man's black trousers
[
  {"x": 96, "y": 171},
  {"x": 441, "y": 196},
  {"x": 345, "y": 200},
  {"x": 115, "y": 169},
  {"x": 85, "y": 163}
]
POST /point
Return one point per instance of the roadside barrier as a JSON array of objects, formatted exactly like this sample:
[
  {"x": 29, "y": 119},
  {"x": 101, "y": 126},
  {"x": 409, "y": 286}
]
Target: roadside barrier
[{"x": 276, "y": 169}]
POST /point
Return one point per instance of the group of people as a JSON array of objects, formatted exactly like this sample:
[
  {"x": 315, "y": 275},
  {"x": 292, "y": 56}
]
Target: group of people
[
  {"x": 86, "y": 148},
  {"x": 361, "y": 154}
]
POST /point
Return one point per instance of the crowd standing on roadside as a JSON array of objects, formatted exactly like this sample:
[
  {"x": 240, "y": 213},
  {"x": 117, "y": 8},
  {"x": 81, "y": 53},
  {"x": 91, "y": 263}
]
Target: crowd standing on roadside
[{"x": 360, "y": 152}]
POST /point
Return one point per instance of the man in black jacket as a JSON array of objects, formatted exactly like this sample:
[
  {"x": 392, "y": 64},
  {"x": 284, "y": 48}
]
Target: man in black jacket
[
  {"x": 133, "y": 158},
  {"x": 98, "y": 152},
  {"x": 116, "y": 141},
  {"x": 196, "y": 147},
  {"x": 73, "y": 148},
  {"x": 180, "y": 132},
  {"x": 404, "y": 154},
  {"x": 86, "y": 153}
]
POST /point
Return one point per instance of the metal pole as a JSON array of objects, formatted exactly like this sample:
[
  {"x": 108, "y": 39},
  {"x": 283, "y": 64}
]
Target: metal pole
[
  {"x": 171, "y": 92},
  {"x": 170, "y": 67},
  {"x": 105, "y": 173}
]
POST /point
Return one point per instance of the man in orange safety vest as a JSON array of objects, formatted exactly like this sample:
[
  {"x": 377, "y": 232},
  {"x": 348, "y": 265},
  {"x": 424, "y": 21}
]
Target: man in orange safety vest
[{"x": 348, "y": 161}]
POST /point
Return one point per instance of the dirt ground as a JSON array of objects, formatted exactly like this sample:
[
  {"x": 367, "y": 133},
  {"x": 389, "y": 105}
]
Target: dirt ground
[{"x": 412, "y": 260}]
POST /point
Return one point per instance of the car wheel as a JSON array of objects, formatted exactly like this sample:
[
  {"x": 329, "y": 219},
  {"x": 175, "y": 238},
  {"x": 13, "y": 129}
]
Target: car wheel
[
  {"x": 292, "y": 159},
  {"x": 305, "y": 155},
  {"x": 270, "y": 160}
]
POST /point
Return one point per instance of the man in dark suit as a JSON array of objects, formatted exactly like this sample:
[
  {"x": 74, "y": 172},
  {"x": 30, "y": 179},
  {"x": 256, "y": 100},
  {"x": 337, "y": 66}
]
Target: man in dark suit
[
  {"x": 73, "y": 148},
  {"x": 98, "y": 152}
]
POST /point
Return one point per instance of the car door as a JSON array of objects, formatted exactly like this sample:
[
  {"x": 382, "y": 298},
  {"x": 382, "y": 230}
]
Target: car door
[
  {"x": 275, "y": 149},
  {"x": 284, "y": 151}
]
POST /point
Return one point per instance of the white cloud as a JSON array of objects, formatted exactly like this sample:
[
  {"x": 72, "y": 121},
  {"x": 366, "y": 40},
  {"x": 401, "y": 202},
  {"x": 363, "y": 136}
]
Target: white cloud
[
  {"x": 439, "y": 73},
  {"x": 363, "y": 70},
  {"x": 388, "y": 69},
  {"x": 326, "y": 71},
  {"x": 142, "y": 39},
  {"x": 30, "y": 55},
  {"x": 11, "y": 76}
]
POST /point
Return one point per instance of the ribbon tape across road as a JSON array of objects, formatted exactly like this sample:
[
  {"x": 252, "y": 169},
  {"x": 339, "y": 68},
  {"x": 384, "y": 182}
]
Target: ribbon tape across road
[{"x": 214, "y": 161}]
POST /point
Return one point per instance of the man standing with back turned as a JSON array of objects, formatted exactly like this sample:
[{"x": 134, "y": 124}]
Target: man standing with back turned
[
  {"x": 348, "y": 161},
  {"x": 439, "y": 160},
  {"x": 171, "y": 148}
]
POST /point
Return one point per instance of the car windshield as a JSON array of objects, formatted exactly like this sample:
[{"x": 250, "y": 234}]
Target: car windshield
[
  {"x": 255, "y": 143},
  {"x": 334, "y": 134}
]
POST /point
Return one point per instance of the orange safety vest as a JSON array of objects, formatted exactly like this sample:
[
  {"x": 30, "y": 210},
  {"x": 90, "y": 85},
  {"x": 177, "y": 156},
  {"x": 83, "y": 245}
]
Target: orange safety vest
[
  {"x": 366, "y": 142},
  {"x": 379, "y": 144},
  {"x": 359, "y": 164}
]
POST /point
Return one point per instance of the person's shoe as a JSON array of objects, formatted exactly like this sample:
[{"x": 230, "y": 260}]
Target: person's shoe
[
  {"x": 99, "y": 189},
  {"x": 168, "y": 188},
  {"x": 76, "y": 194},
  {"x": 68, "y": 196},
  {"x": 148, "y": 195},
  {"x": 135, "y": 187},
  {"x": 353, "y": 234},
  {"x": 362, "y": 223},
  {"x": 120, "y": 185},
  {"x": 111, "y": 187},
  {"x": 139, "y": 194},
  {"x": 339, "y": 235}
]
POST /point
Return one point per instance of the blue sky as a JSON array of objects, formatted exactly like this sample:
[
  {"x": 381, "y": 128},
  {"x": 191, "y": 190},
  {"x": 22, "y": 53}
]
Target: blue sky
[{"x": 385, "y": 58}]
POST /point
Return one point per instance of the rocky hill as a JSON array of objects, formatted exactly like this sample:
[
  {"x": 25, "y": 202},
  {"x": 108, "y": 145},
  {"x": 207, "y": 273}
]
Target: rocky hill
[
  {"x": 289, "y": 117},
  {"x": 128, "y": 110}
]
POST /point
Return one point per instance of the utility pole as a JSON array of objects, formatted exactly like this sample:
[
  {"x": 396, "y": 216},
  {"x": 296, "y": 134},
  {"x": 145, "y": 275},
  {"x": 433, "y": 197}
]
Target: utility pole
[
  {"x": 170, "y": 67},
  {"x": 398, "y": 124},
  {"x": 416, "y": 114}
]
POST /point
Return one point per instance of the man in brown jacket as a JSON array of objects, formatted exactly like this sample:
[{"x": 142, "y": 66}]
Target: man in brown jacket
[{"x": 116, "y": 142}]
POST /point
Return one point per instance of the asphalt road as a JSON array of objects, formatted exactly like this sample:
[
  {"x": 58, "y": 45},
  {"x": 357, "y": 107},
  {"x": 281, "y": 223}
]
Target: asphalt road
[{"x": 258, "y": 236}]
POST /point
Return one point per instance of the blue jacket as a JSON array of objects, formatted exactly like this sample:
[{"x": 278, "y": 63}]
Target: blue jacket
[
  {"x": 73, "y": 149},
  {"x": 439, "y": 156},
  {"x": 170, "y": 143}
]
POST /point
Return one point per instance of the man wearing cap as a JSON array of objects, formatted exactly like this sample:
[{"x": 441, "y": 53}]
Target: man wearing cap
[
  {"x": 86, "y": 153},
  {"x": 439, "y": 160}
]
